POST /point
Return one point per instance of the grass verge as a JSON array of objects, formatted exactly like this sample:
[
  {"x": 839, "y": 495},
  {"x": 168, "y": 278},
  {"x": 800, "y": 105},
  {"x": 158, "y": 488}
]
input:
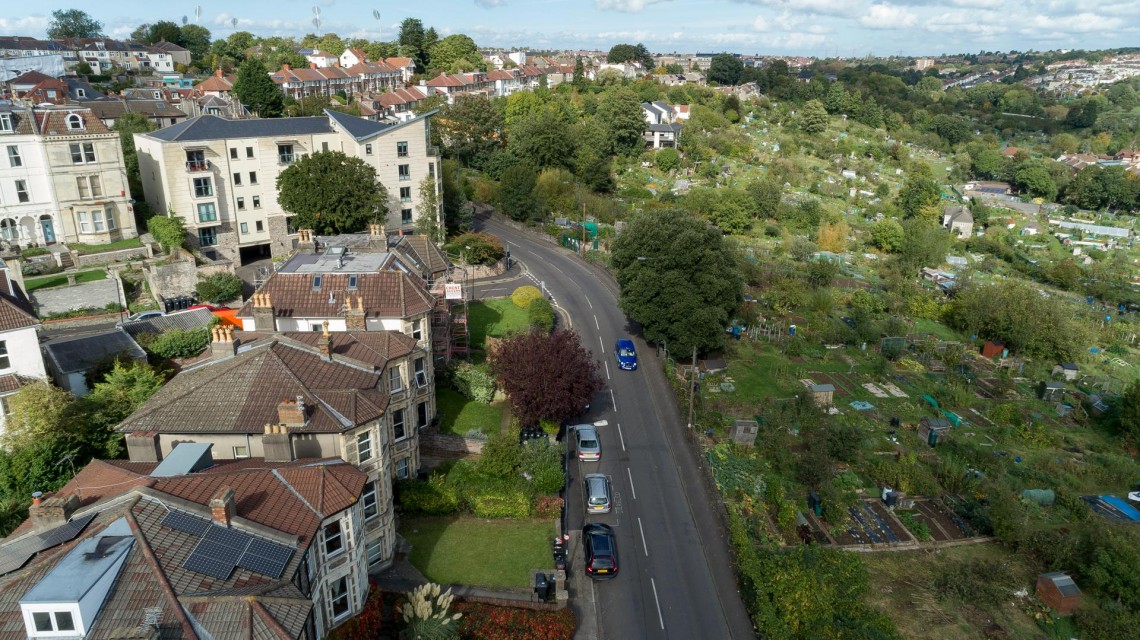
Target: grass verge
[
  {"x": 471, "y": 551},
  {"x": 60, "y": 280}
]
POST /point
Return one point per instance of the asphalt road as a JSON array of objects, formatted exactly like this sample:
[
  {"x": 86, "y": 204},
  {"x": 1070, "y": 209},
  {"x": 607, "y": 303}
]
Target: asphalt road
[{"x": 675, "y": 579}]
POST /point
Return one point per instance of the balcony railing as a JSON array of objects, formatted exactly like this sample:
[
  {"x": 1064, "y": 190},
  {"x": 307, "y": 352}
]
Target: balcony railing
[
  {"x": 286, "y": 158},
  {"x": 197, "y": 166}
]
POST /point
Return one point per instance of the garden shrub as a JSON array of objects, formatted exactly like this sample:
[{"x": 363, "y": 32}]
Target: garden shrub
[
  {"x": 501, "y": 455},
  {"x": 548, "y": 506},
  {"x": 32, "y": 252},
  {"x": 540, "y": 315},
  {"x": 168, "y": 231},
  {"x": 506, "y": 504},
  {"x": 474, "y": 382},
  {"x": 524, "y": 295},
  {"x": 432, "y": 497},
  {"x": 542, "y": 462},
  {"x": 178, "y": 343},
  {"x": 476, "y": 248},
  {"x": 486, "y": 622},
  {"x": 218, "y": 287}
]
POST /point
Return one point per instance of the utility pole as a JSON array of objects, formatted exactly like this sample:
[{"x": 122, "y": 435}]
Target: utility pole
[
  {"x": 582, "y": 224},
  {"x": 693, "y": 387}
]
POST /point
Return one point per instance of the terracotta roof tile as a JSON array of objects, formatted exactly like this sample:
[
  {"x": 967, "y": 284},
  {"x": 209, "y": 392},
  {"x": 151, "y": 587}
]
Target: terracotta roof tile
[{"x": 387, "y": 294}]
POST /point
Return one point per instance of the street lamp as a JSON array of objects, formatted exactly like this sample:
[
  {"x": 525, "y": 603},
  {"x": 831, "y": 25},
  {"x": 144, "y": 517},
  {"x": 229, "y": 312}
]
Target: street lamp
[{"x": 118, "y": 293}]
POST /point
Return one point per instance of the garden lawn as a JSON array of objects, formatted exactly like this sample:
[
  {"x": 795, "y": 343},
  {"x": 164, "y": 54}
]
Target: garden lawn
[
  {"x": 458, "y": 414},
  {"x": 495, "y": 318},
  {"x": 473, "y": 551},
  {"x": 60, "y": 280},
  {"x": 118, "y": 245},
  {"x": 924, "y": 326}
]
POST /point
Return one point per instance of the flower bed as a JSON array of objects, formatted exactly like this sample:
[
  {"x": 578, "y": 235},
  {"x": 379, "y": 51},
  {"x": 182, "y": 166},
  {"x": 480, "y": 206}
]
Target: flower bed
[{"x": 486, "y": 622}]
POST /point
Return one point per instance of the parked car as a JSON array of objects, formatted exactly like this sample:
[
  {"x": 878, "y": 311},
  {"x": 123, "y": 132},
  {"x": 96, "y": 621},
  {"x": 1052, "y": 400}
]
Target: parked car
[
  {"x": 142, "y": 315},
  {"x": 601, "y": 551},
  {"x": 626, "y": 354},
  {"x": 597, "y": 493},
  {"x": 586, "y": 442}
]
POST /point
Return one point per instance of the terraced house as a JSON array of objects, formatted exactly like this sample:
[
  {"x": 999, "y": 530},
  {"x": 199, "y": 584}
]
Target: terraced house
[
  {"x": 220, "y": 176},
  {"x": 189, "y": 548}
]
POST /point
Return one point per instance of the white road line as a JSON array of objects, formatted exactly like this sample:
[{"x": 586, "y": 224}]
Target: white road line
[
  {"x": 660, "y": 618},
  {"x": 643, "y": 545},
  {"x": 598, "y": 326},
  {"x": 607, "y": 362},
  {"x": 602, "y": 344},
  {"x": 631, "y": 482},
  {"x": 613, "y": 400},
  {"x": 622, "y": 441},
  {"x": 589, "y": 303}
]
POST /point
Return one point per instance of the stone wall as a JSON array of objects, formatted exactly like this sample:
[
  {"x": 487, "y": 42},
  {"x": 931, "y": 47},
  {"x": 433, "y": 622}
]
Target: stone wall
[
  {"x": 89, "y": 295},
  {"x": 445, "y": 445},
  {"x": 112, "y": 256},
  {"x": 179, "y": 278}
]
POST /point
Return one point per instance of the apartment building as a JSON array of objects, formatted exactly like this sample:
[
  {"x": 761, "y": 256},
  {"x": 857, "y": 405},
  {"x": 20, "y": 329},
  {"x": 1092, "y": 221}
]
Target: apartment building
[
  {"x": 220, "y": 176},
  {"x": 62, "y": 178}
]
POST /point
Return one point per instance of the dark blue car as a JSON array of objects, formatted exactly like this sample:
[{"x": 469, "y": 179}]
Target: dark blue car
[{"x": 626, "y": 356}]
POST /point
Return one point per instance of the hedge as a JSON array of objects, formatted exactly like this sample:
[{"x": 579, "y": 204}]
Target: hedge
[
  {"x": 177, "y": 343},
  {"x": 474, "y": 382},
  {"x": 540, "y": 315},
  {"x": 524, "y": 295},
  {"x": 434, "y": 497}
]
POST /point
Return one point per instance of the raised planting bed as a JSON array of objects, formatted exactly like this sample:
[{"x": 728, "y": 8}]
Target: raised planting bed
[{"x": 869, "y": 522}]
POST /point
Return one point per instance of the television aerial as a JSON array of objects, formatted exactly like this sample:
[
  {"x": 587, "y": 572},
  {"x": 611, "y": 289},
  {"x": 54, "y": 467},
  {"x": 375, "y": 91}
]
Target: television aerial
[
  {"x": 380, "y": 26},
  {"x": 233, "y": 23},
  {"x": 317, "y": 19},
  {"x": 197, "y": 13}
]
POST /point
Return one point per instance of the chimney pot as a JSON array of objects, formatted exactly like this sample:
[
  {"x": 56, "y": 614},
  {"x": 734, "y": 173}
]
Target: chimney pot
[
  {"x": 218, "y": 73},
  {"x": 36, "y": 498},
  {"x": 291, "y": 414},
  {"x": 285, "y": 67}
]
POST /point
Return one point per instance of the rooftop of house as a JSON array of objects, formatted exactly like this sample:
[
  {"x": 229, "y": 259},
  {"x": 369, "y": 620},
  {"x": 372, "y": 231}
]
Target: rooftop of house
[
  {"x": 209, "y": 127},
  {"x": 146, "y": 532},
  {"x": 75, "y": 355},
  {"x": 29, "y": 79},
  {"x": 184, "y": 320},
  {"x": 15, "y": 310},
  {"x": 241, "y": 394},
  {"x": 385, "y": 294}
]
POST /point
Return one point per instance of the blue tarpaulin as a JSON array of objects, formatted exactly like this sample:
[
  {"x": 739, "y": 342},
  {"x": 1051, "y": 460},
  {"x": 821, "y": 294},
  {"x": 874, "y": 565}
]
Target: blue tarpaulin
[
  {"x": 1128, "y": 510},
  {"x": 862, "y": 406}
]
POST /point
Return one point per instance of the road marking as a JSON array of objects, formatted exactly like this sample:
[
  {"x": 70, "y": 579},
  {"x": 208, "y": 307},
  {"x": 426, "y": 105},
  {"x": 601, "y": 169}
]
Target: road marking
[
  {"x": 643, "y": 545},
  {"x": 622, "y": 438},
  {"x": 589, "y": 303},
  {"x": 631, "y": 483},
  {"x": 601, "y": 344},
  {"x": 613, "y": 400},
  {"x": 660, "y": 618},
  {"x": 607, "y": 362},
  {"x": 596, "y": 325}
]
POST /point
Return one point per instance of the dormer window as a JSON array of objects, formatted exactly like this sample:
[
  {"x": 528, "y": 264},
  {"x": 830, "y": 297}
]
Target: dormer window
[
  {"x": 74, "y": 122},
  {"x": 80, "y": 93}
]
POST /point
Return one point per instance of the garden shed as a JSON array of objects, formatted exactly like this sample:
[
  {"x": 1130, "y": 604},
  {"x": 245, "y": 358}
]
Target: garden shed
[
  {"x": 1059, "y": 591},
  {"x": 744, "y": 432},
  {"x": 822, "y": 394},
  {"x": 934, "y": 430},
  {"x": 1066, "y": 370},
  {"x": 1050, "y": 390},
  {"x": 994, "y": 349}
]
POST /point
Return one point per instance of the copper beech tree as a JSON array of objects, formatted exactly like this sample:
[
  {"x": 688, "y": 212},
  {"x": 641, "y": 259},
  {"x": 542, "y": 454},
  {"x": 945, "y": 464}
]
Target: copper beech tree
[{"x": 547, "y": 376}]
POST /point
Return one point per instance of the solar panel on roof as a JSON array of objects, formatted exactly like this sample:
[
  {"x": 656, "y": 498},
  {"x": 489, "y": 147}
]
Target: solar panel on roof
[
  {"x": 204, "y": 564},
  {"x": 185, "y": 523},
  {"x": 13, "y": 555},
  {"x": 227, "y": 538}
]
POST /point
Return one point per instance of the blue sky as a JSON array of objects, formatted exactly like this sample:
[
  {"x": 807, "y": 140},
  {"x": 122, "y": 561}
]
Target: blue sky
[{"x": 805, "y": 27}]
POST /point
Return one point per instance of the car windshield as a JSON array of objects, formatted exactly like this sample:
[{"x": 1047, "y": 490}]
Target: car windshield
[
  {"x": 589, "y": 443},
  {"x": 626, "y": 352},
  {"x": 601, "y": 545}
]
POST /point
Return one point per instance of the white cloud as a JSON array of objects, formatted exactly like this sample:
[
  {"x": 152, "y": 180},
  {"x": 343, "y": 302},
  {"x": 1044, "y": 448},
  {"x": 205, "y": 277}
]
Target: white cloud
[
  {"x": 760, "y": 24},
  {"x": 490, "y": 4},
  {"x": 1079, "y": 23},
  {"x": 888, "y": 16},
  {"x": 624, "y": 6},
  {"x": 822, "y": 7},
  {"x": 985, "y": 24},
  {"x": 27, "y": 25},
  {"x": 978, "y": 4}
]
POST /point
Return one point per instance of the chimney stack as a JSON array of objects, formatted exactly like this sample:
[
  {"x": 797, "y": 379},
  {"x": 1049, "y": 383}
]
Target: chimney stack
[
  {"x": 263, "y": 316},
  {"x": 222, "y": 344},
  {"x": 222, "y": 506},
  {"x": 354, "y": 318},
  {"x": 51, "y": 511},
  {"x": 323, "y": 342},
  {"x": 312, "y": 65},
  {"x": 276, "y": 444},
  {"x": 306, "y": 241},
  {"x": 291, "y": 413},
  {"x": 285, "y": 67},
  {"x": 218, "y": 73}
]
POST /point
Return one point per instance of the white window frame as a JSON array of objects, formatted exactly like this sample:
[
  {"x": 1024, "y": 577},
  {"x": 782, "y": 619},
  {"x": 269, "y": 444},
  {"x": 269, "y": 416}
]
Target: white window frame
[
  {"x": 403, "y": 468},
  {"x": 256, "y": 202},
  {"x": 339, "y": 537},
  {"x": 344, "y": 596},
  {"x": 74, "y": 122},
  {"x": 14, "y": 159},
  {"x": 375, "y": 550},
  {"x": 240, "y": 204},
  {"x": 369, "y": 500},
  {"x": 83, "y": 186},
  {"x": 203, "y": 187},
  {"x": 6, "y": 122},
  {"x": 420, "y": 371},
  {"x": 418, "y": 329},
  {"x": 22, "y": 193},
  {"x": 97, "y": 220},
  {"x": 110, "y": 215},
  {"x": 399, "y": 424},
  {"x": 241, "y": 451},
  {"x": 84, "y": 223},
  {"x": 364, "y": 446},
  {"x": 395, "y": 379},
  {"x": 5, "y": 360}
]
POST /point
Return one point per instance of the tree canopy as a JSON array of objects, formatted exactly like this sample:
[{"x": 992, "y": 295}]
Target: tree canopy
[
  {"x": 725, "y": 69},
  {"x": 473, "y": 127},
  {"x": 547, "y": 376},
  {"x": 330, "y": 193},
  {"x": 73, "y": 23},
  {"x": 454, "y": 53},
  {"x": 678, "y": 279},
  {"x": 619, "y": 110},
  {"x": 630, "y": 53},
  {"x": 257, "y": 90}
]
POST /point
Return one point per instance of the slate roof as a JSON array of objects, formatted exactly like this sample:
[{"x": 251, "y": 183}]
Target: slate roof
[
  {"x": 358, "y": 128},
  {"x": 184, "y": 320},
  {"x": 430, "y": 257},
  {"x": 205, "y": 128},
  {"x": 386, "y": 294},
  {"x": 76, "y": 355},
  {"x": 241, "y": 394},
  {"x": 53, "y": 122},
  {"x": 116, "y": 108},
  {"x": 284, "y": 503}
]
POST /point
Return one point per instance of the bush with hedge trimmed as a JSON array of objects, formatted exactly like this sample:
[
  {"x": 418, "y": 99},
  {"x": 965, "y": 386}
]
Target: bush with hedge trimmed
[
  {"x": 177, "y": 343},
  {"x": 434, "y": 497},
  {"x": 505, "y": 504},
  {"x": 524, "y": 295},
  {"x": 540, "y": 315},
  {"x": 473, "y": 381}
]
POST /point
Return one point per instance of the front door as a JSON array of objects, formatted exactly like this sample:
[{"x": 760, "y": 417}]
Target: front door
[{"x": 49, "y": 230}]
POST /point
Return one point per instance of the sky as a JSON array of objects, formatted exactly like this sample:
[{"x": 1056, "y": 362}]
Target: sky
[{"x": 789, "y": 27}]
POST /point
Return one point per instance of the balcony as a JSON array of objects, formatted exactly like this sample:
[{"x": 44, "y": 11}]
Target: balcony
[
  {"x": 197, "y": 166},
  {"x": 433, "y": 151},
  {"x": 286, "y": 158}
]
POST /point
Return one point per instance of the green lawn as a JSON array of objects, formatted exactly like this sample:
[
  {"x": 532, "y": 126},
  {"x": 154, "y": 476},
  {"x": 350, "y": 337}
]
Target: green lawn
[
  {"x": 118, "y": 245},
  {"x": 459, "y": 414},
  {"x": 924, "y": 326},
  {"x": 471, "y": 551},
  {"x": 60, "y": 279},
  {"x": 495, "y": 318}
]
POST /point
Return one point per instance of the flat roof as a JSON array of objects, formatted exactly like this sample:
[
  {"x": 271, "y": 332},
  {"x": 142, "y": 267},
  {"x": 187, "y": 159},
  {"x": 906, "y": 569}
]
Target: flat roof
[
  {"x": 83, "y": 567},
  {"x": 331, "y": 262}
]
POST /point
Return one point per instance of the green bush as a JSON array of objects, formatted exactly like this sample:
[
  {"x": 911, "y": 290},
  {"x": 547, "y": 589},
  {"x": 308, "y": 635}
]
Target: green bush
[
  {"x": 474, "y": 382},
  {"x": 32, "y": 252},
  {"x": 218, "y": 287},
  {"x": 506, "y": 504},
  {"x": 542, "y": 462},
  {"x": 178, "y": 343},
  {"x": 167, "y": 231},
  {"x": 668, "y": 159},
  {"x": 433, "y": 497},
  {"x": 501, "y": 455},
  {"x": 540, "y": 315},
  {"x": 476, "y": 248},
  {"x": 524, "y": 295}
]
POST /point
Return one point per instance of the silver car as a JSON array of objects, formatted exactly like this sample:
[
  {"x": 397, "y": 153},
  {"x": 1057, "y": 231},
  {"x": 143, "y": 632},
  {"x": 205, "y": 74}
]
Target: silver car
[
  {"x": 597, "y": 493},
  {"x": 586, "y": 443}
]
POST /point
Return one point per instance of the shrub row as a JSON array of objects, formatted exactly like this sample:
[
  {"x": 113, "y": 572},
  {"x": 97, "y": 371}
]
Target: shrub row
[
  {"x": 487, "y": 622},
  {"x": 473, "y": 381}
]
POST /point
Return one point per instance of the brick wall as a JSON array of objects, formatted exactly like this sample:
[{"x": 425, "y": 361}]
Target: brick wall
[{"x": 446, "y": 445}]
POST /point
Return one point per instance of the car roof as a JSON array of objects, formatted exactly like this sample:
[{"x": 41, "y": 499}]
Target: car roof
[
  {"x": 625, "y": 342},
  {"x": 595, "y": 476},
  {"x": 587, "y": 428}
]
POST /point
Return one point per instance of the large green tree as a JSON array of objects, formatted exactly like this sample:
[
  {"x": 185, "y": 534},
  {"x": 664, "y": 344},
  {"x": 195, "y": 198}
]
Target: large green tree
[
  {"x": 73, "y": 23},
  {"x": 454, "y": 53},
  {"x": 472, "y": 128},
  {"x": 332, "y": 193},
  {"x": 429, "y": 211},
  {"x": 411, "y": 41},
  {"x": 257, "y": 90},
  {"x": 1016, "y": 313},
  {"x": 592, "y": 163},
  {"x": 812, "y": 117},
  {"x": 630, "y": 53},
  {"x": 152, "y": 32},
  {"x": 516, "y": 193},
  {"x": 619, "y": 110},
  {"x": 127, "y": 125},
  {"x": 542, "y": 140},
  {"x": 919, "y": 191},
  {"x": 725, "y": 69},
  {"x": 678, "y": 280}
]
